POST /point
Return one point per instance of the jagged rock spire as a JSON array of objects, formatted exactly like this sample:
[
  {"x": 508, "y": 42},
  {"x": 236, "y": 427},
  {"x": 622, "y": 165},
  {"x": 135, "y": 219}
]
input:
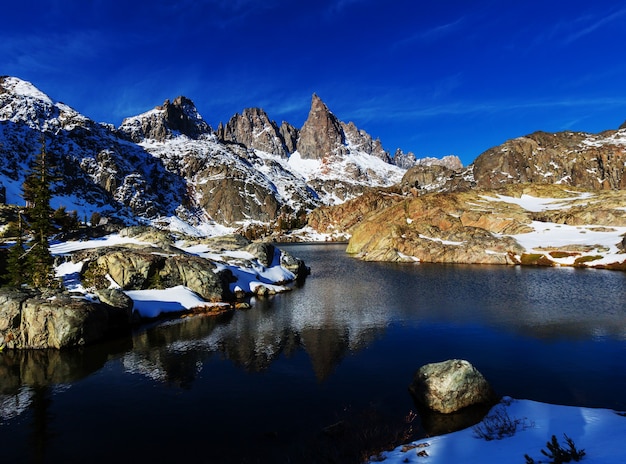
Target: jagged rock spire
[
  {"x": 321, "y": 133},
  {"x": 177, "y": 117},
  {"x": 254, "y": 129}
]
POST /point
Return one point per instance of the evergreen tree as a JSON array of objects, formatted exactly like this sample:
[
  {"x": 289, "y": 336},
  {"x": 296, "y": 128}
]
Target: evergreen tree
[
  {"x": 15, "y": 259},
  {"x": 36, "y": 192}
]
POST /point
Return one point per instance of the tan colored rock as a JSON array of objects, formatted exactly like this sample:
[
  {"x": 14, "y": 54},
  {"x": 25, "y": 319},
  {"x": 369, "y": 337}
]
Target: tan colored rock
[
  {"x": 436, "y": 228},
  {"x": 130, "y": 269},
  {"x": 31, "y": 320},
  {"x": 450, "y": 386},
  {"x": 198, "y": 274},
  {"x": 590, "y": 161}
]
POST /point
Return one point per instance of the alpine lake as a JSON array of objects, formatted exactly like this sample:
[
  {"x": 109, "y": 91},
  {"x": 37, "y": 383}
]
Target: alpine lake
[{"x": 321, "y": 373}]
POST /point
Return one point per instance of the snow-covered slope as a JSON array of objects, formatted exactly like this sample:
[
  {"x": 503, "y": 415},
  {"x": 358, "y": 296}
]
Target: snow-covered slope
[
  {"x": 167, "y": 165},
  {"x": 97, "y": 170},
  {"x": 597, "y": 432},
  {"x": 339, "y": 178}
]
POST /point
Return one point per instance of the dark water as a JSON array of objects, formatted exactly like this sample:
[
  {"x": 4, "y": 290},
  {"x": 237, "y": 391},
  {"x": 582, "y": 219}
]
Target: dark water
[{"x": 261, "y": 385}]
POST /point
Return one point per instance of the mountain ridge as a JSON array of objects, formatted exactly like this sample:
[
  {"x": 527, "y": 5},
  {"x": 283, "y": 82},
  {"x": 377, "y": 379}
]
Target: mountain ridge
[
  {"x": 168, "y": 164},
  {"x": 170, "y": 167}
]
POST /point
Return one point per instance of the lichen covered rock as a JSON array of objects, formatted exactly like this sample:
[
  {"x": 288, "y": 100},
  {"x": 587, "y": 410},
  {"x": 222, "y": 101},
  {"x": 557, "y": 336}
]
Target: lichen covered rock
[
  {"x": 32, "y": 320},
  {"x": 450, "y": 386}
]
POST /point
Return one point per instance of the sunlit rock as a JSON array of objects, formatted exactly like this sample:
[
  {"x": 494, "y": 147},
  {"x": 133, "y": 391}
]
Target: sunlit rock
[{"x": 450, "y": 386}]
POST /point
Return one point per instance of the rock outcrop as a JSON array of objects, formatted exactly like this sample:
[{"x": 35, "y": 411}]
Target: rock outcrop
[
  {"x": 177, "y": 117},
  {"x": 404, "y": 160},
  {"x": 253, "y": 129},
  {"x": 590, "y": 161},
  {"x": 31, "y": 320},
  {"x": 450, "y": 386},
  {"x": 290, "y": 136},
  {"x": 474, "y": 227},
  {"x": 427, "y": 178},
  {"x": 439, "y": 229},
  {"x": 343, "y": 218},
  {"x": 362, "y": 141},
  {"x": 146, "y": 268}
]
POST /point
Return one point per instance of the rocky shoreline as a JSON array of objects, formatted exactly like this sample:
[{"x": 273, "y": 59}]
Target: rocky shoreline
[
  {"x": 220, "y": 273},
  {"x": 522, "y": 224}
]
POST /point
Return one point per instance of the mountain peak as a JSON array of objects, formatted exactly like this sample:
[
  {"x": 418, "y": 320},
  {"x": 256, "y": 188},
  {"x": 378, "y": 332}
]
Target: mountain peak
[
  {"x": 21, "y": 101},
  {"x": 254, "y": 129},
  {"x": 22, "y": 88},
  {"x": 321, "y": 133},
  {"x": 165, "y": 121}
]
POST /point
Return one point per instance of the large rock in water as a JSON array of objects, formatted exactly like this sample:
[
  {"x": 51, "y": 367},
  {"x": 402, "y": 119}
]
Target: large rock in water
[
  {"x": 450, "y": 386},
  {"x": 31, "y": 320}
]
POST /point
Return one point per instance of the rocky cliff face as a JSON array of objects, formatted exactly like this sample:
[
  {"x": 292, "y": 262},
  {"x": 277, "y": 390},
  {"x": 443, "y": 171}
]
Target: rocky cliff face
[
  {"x": 166, "y": 121},
  {"x": 322, "y": 134},
  {"x": 591, "y": 161},
  {"x": 362, "y": 141},
  {"x": 254, "y": 130},
  {"x": 290, "y": 136}
]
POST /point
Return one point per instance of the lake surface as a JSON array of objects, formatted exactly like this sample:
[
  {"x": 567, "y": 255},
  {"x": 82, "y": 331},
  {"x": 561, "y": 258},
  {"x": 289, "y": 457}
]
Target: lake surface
[{"x": 336, "y": 355}]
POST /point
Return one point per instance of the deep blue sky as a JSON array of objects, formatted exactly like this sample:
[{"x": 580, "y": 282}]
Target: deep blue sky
[{"x": 433, "y": 77}]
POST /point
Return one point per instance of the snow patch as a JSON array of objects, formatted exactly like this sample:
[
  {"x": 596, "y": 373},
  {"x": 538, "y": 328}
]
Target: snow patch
[{"x": 600, "y": 432}]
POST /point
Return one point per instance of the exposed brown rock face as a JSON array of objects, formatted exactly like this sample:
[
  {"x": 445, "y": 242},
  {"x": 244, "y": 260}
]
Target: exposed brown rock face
[
  {"x": 290, "y": 136},
  {"x": 431, "y": 228},
  {"x": 178, "y": 116},
  {"x": 590, "y": 161},
  {"x": 344, "y": 217},
  {"x": 363, "y": 141},
  {"x": 321, "y": 133},
  {"x": 463, "y": 227},
  {"x": 254, "y": 129}
]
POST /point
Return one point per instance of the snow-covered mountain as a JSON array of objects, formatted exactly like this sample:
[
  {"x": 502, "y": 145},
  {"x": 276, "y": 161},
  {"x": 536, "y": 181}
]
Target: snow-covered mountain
[
  {"x": 98, "y": 170},
  {"x": 169, "y": 165}
]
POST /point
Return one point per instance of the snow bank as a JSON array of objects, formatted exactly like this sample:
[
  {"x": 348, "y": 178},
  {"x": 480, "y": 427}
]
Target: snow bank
[
  {"x": 601, "y": 240},
  {"x": 599, "y": 432},
  {"x": 60, "y": 248},
  {"x": 153, "y": 303},
  {"x": 537, "y": 204}
]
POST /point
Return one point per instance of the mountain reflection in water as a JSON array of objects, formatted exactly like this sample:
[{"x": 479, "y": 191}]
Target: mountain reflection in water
[{"x": 256, "y": 385}]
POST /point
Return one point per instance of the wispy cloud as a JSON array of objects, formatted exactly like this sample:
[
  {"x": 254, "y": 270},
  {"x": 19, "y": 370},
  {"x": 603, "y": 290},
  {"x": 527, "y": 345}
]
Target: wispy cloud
[
  {"x": 390, "y": 108},
  {"x": 432, "y": 34},
  {"x": 588, "y": 24},
  {"x": 48, "y": 52}
]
